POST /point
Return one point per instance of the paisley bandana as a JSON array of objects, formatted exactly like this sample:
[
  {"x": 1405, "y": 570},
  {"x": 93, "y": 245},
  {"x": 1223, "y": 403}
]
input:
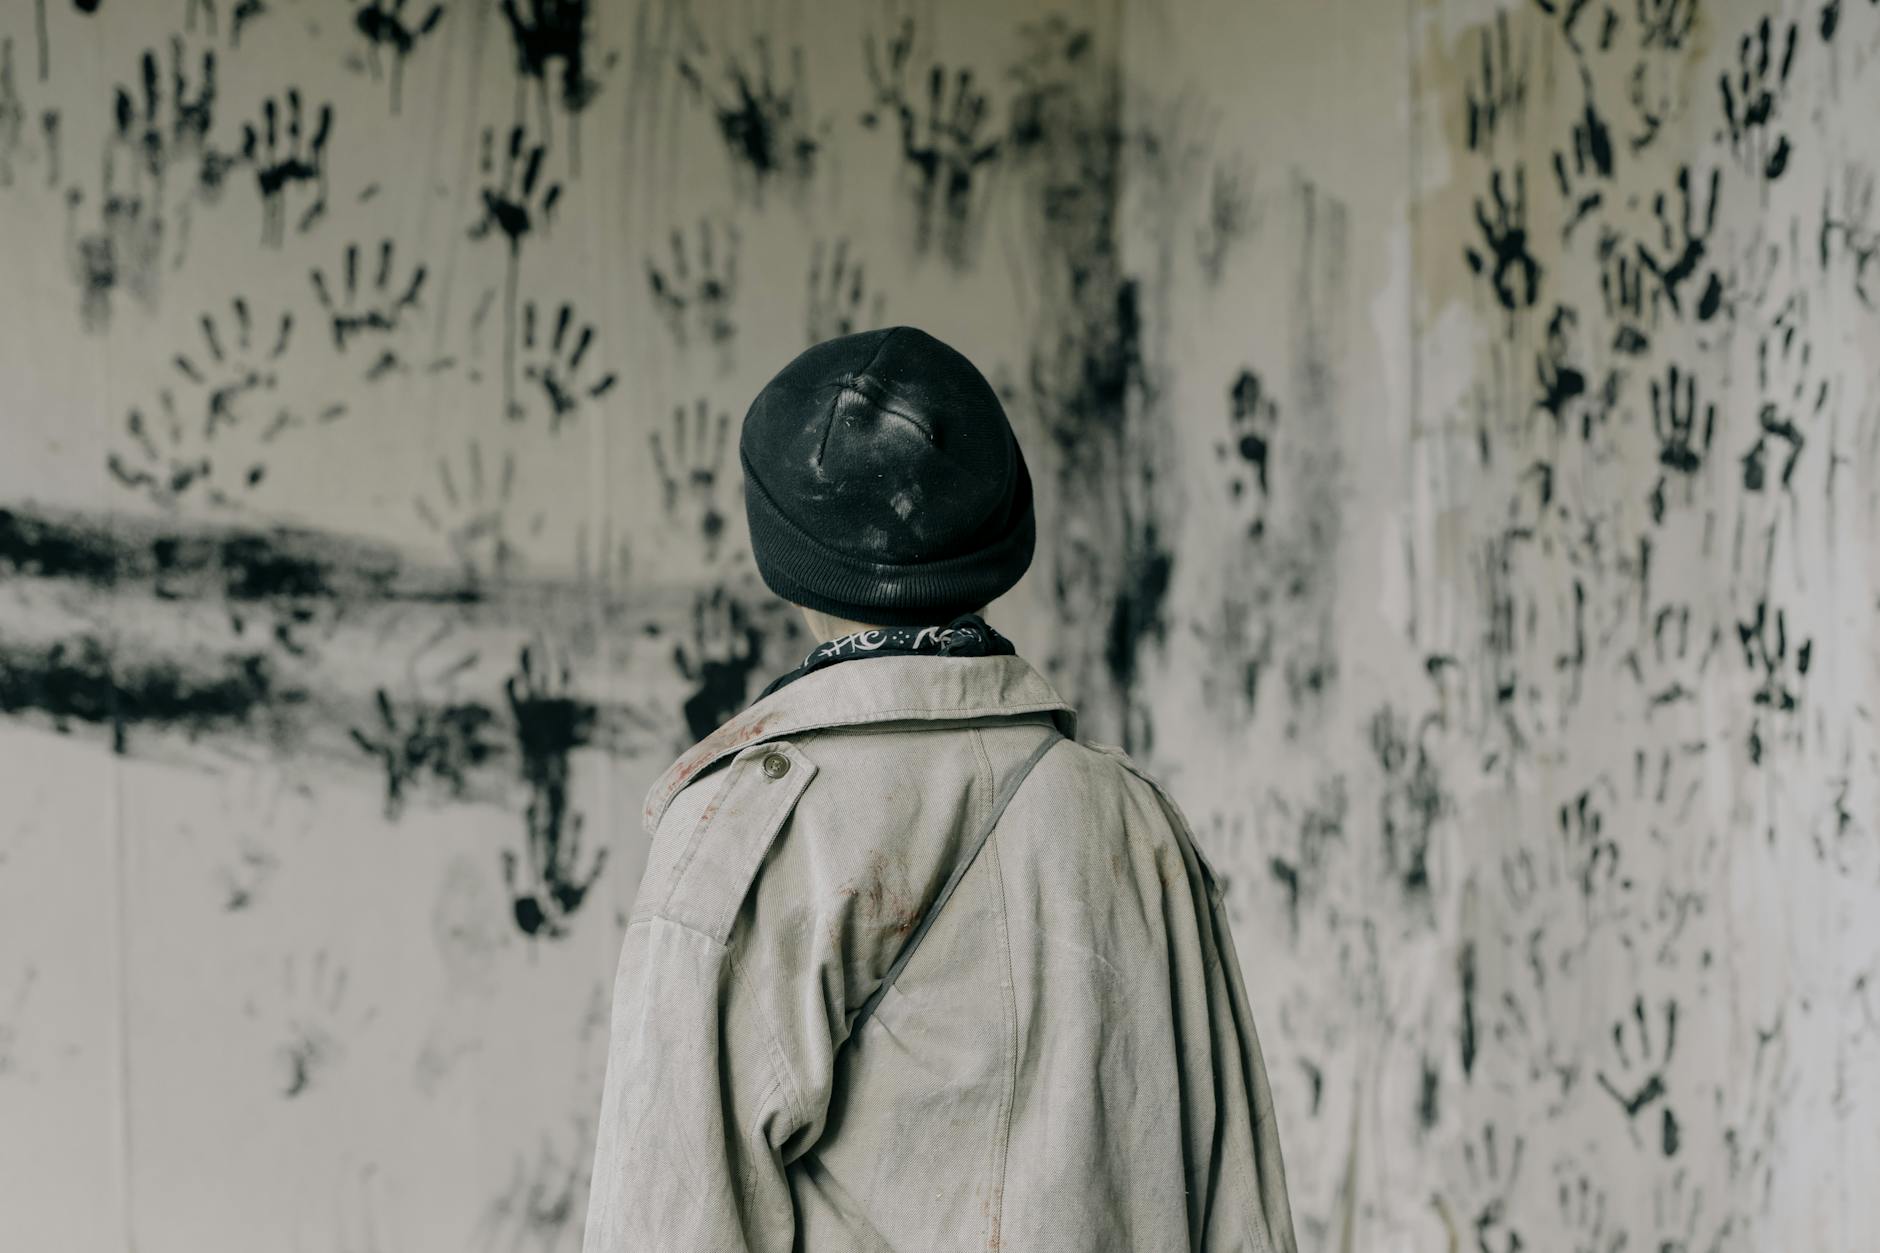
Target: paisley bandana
[{"x": 966, "y": 636}]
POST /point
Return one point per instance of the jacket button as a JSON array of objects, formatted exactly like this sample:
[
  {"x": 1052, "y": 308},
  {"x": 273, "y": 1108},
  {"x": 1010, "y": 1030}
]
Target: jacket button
[{"x": 776, "y": 765}]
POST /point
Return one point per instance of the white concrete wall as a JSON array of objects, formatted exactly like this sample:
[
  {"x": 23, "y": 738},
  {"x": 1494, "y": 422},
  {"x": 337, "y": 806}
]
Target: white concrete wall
[{"x": 1510, "y": 643}]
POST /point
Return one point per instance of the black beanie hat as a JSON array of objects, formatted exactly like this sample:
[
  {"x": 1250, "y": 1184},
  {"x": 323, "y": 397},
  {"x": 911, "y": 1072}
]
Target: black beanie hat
[{"x": 883, "y": 483}]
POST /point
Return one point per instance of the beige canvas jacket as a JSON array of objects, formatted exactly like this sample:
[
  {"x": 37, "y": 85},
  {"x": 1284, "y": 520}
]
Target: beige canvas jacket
[{"x": 1066, "y": 1063}]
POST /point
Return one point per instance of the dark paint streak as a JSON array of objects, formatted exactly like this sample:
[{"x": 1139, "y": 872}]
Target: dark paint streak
[{"x": 84, "y": 680}]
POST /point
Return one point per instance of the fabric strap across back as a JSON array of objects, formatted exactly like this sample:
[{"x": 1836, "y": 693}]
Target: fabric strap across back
[{"x": 1004, "y": 797}]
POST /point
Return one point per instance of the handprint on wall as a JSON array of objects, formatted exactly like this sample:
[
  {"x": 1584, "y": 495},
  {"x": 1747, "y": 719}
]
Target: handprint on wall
[
  {"x": 389, "y": 30},
  {"x": 1513, "y": 271},
  {"x": 288, "y": 159},
  {"x": 763, "y": 119},
  {"x": 470, "y": 510},
  {"x": 1752, "y": 95},
  {"x": 689, "y": 459},
  {"x": 553, "y": 361},
  {"x": 547, "y": 886},
  {"x": 947, "y": 145},
  {"x": 316, "y": 1017},
  {"x": 840, "y": 302},
  {"x": 695, "y": 290},
  {"x": 1643, "y": 1045},
  {"x": 375, "y": 311}
]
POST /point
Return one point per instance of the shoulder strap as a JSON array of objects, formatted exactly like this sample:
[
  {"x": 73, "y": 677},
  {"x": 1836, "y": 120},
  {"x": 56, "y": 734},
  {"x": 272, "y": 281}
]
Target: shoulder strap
[{"x": 999, "y": 802}]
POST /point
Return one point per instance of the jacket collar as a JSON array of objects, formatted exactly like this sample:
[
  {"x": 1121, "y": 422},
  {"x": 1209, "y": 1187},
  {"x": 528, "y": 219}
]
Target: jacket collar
[{"x": 875, "y": 689}]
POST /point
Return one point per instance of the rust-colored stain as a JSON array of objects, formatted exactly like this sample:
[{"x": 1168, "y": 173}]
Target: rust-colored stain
[{"x": 882, "y": 898}]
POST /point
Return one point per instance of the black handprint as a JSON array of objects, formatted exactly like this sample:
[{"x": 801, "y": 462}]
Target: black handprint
[
  {"x": 1591, "y": 159},
  {"x": 1688, "y": 243},
  {"x": 1499, "y": 95},
  {"x": 1516, "y": 275},
  {"x": 688, "y": 465},
  {"x": 473, "y": 519},
  {"x": 518, "y": 197},
  {"x": 1749, "y": 108},
  {"x": 159, "y": 140},
  {"x": 1583, "y": 1214},
  {"x": 376, "y": 311},
  {"x": 284, "y": 156},
  {"x": 1782, "y": 377},
  {"x": 945, "y": 150},
  {"x": 381, "y": 23},
  {"x": 839, "y": 303},
  {"x": 545, "y": 31},
  {"x": 1682, "y": 443},
  {"x": 699, "y": 303},
  {"x": 1853, "y": 226},
  {"x": 1490, "y": 1173},
  {"x": 224, "y": 378},
  {"x": 558, "y": 367},
  {"x": 726, "y": 647},
  {"x": 175, "y": 459},
  {"x": 228, "y": 373},
  {"x": 1641, "y": 1070},
  {"x": 1562, "y": 381},
  {"x": 551, "y": 722},
  {"x": 314, "y": 1018},
  {"x": 764, "y": 121},
  {"x": 123, "y": 251},
  {"x": 1766, "y": 649},
  {"x": 1622, "y": 290},
  {"x": 444, "y": 742}
]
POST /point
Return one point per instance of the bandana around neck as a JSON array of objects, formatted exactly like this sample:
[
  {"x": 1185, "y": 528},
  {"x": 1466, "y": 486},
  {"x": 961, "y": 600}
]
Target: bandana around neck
[{"x": 966, "y": 636}]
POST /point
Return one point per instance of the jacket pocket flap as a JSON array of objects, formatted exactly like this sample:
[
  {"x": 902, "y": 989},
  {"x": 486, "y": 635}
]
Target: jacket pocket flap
[{"x": 732, "y": 837}]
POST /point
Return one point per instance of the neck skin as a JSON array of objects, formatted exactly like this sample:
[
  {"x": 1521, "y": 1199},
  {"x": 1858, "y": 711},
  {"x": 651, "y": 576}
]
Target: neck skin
[{"x": 823, "y": 626}]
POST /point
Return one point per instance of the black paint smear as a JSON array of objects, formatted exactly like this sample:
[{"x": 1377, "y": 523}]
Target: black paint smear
[
  {"x": 381, "y": 23},
  {"x": 40, "y": 547},
  {"x": 444, "y": 743},
  {"x": 1514, "y": 272},
  {"x": 725, "y": 649},
  {"x": 1427, "y": 1092},
  {"x": 82, "y": 680},
  {"x": 1465, "y": 975},
  {"x": 550, "y": 724},
  {"x": 1138, "y": 616},
  {"x": 1254, "y": 417},
  {"x": 1830, "y": 20},
  {"x": 763, "y": 120},
  {"x": 1860, "y": 241},
  {"x": 236, "y": 564}
]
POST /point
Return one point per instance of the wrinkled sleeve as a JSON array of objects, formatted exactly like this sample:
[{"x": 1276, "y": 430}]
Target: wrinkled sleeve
[
  {"x": 695, "y": 1106},
  {"x": 698, "y": 1101}
]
